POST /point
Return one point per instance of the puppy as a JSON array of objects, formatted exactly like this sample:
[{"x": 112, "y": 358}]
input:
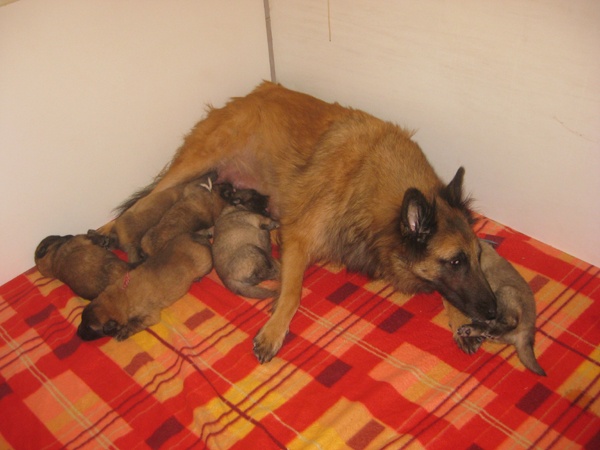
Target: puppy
[
  {"x": 136, "y": 300},
  {"x": 346, "y": 188},
  {"x": 242, "y": 249},
  {"x": 129, "y": 229},
  {"x": 515, "y": 322},
  {"x": 200, "y": 205},
  {"x": 83, "y": 262}
]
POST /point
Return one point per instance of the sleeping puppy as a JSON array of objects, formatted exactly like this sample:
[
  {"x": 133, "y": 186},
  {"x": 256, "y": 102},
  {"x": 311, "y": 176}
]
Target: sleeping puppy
[
  {"x": 83, "y": 262},
  {"x": 129, "y": 229},
  {"x": 242, "y": 248},
  {"x": 136, "y": 300},
  {"x": 200, "y": 205},
  {"x": 515, "y": 322}
]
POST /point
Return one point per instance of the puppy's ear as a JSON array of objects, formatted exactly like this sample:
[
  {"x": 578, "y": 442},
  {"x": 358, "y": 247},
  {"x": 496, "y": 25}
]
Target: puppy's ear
[
  {"x": 41, "y": 250},
  {"x": 101, "y": 240},
  {"x": 417, "y": 218},
  {"x": 111, "y": 328},
  {"x": 45, "y": 244}
]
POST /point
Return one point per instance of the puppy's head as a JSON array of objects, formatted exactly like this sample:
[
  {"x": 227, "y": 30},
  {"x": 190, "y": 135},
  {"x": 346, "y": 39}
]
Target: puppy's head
[
  {"x": 251, "y": 200},
  {"x": 225, "y": 190},
  {"x": 45, "y": 251},
  {"x": 105, "y": 317}
]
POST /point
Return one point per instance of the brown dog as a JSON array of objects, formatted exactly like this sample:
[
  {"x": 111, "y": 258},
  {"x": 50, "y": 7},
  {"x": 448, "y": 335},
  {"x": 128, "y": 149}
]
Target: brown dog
[
  {"x": 83, "y": 262},
  {"x": 136, "y": 300},
  {"x": 515, "y": 322},
  {"x": 346, "y": 187},
  {"x": 242, "y": 251},
  {"x": 199, "y": 207}
]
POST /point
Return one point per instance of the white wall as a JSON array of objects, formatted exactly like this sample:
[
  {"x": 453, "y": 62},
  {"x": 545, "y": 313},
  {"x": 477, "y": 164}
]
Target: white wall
[
  {"x": 508, "y": 88},
  {"x": 95, "y": 97}
]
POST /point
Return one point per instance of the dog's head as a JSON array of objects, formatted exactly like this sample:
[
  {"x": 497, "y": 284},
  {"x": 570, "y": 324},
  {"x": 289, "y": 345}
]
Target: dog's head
[
  {"x": 442, "y": 249},
  {"x": 104, "y": 317},
  {"x": 45, "y": 251}
]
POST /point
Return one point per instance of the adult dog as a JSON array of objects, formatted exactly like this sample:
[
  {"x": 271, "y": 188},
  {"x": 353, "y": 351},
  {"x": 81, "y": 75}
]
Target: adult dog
[{"x": 346, "y": 187}]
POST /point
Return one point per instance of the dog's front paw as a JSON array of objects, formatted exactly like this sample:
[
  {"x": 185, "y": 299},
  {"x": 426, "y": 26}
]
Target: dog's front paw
[
  {"x": 468, "y": 344},
  {"x": 266, "y": 347}
]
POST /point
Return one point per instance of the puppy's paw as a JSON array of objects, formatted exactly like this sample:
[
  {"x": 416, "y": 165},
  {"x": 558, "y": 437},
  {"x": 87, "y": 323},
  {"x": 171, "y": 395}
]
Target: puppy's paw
[
  {"x": 464, "y": 331},
  {"x": 468, "y": 344}
]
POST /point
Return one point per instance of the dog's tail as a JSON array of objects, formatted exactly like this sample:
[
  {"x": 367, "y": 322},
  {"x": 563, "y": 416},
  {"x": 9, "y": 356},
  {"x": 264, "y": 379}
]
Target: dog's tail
[
  {"x": 524, "y": 346},
  {"x": 138, "y": 195}
]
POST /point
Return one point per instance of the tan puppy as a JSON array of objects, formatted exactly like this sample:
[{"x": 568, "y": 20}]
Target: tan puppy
[
  {"x": 515, "y": 323},
  {"x": 242, "y": 250},
  {"x": 129, "y": 228},
  {"x": 83, "y": 262},
  {"x": 198, "y": 209},
  {"x": 346, "y": 188},
  {"x": 136, "y": 300}
]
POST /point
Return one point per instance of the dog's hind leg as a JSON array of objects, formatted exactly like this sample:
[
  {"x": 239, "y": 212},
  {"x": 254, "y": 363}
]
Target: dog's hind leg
[{"x": 270, "y": 338}]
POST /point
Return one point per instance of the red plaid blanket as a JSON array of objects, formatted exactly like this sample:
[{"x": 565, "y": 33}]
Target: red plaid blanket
[{"x": 363, "y": 367}]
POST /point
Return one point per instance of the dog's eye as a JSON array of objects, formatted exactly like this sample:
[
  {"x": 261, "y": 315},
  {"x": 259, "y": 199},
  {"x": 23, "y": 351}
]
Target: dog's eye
[{"x": 457, "y": 261}]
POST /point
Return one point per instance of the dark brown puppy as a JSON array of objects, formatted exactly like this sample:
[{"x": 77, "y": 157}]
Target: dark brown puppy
[
  {"x": 242, "y": 250},
  {"x": 83, "y": 262},
  {"x": 515, "y": 322},
  {"x": 346, "y": 187},
  {"x": 200, "y": 205},
  {"x": 136, "y": 300}
]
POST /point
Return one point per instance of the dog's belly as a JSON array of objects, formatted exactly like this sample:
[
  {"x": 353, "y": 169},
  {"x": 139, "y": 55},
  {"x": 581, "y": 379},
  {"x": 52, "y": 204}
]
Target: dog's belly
[
  {"x": 234, "y": 173},
  {"x": 244, "y": 172}
]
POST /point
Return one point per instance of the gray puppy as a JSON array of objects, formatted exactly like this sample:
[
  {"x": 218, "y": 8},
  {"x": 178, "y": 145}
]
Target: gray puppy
[
  {"x": 515, "y": 323},
  {"x": 242, "y": 248}
]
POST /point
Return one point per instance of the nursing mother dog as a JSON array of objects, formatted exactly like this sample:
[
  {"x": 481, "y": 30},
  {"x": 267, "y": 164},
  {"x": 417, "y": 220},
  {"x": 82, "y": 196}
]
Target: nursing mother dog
[{"x": 346, "y": 188}]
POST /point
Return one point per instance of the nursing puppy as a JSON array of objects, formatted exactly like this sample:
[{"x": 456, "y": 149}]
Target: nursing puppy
[
  {"x": 200, "y": 205},
  {"x": 135, "y": 301},
  {"x": 515, "y": 322},
  {"x": 242, "y": 249},
  {"x": 83, "y": 262},
  {"x": 346, "y": 188},
  {"x": 129, "y": 228}
]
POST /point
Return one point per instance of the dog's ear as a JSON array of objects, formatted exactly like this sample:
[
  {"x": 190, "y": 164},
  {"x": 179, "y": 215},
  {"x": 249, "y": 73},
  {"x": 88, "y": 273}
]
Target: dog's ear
[
  {"x": 453, "y": 195},
  {"x": 417, "y": 217}
]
